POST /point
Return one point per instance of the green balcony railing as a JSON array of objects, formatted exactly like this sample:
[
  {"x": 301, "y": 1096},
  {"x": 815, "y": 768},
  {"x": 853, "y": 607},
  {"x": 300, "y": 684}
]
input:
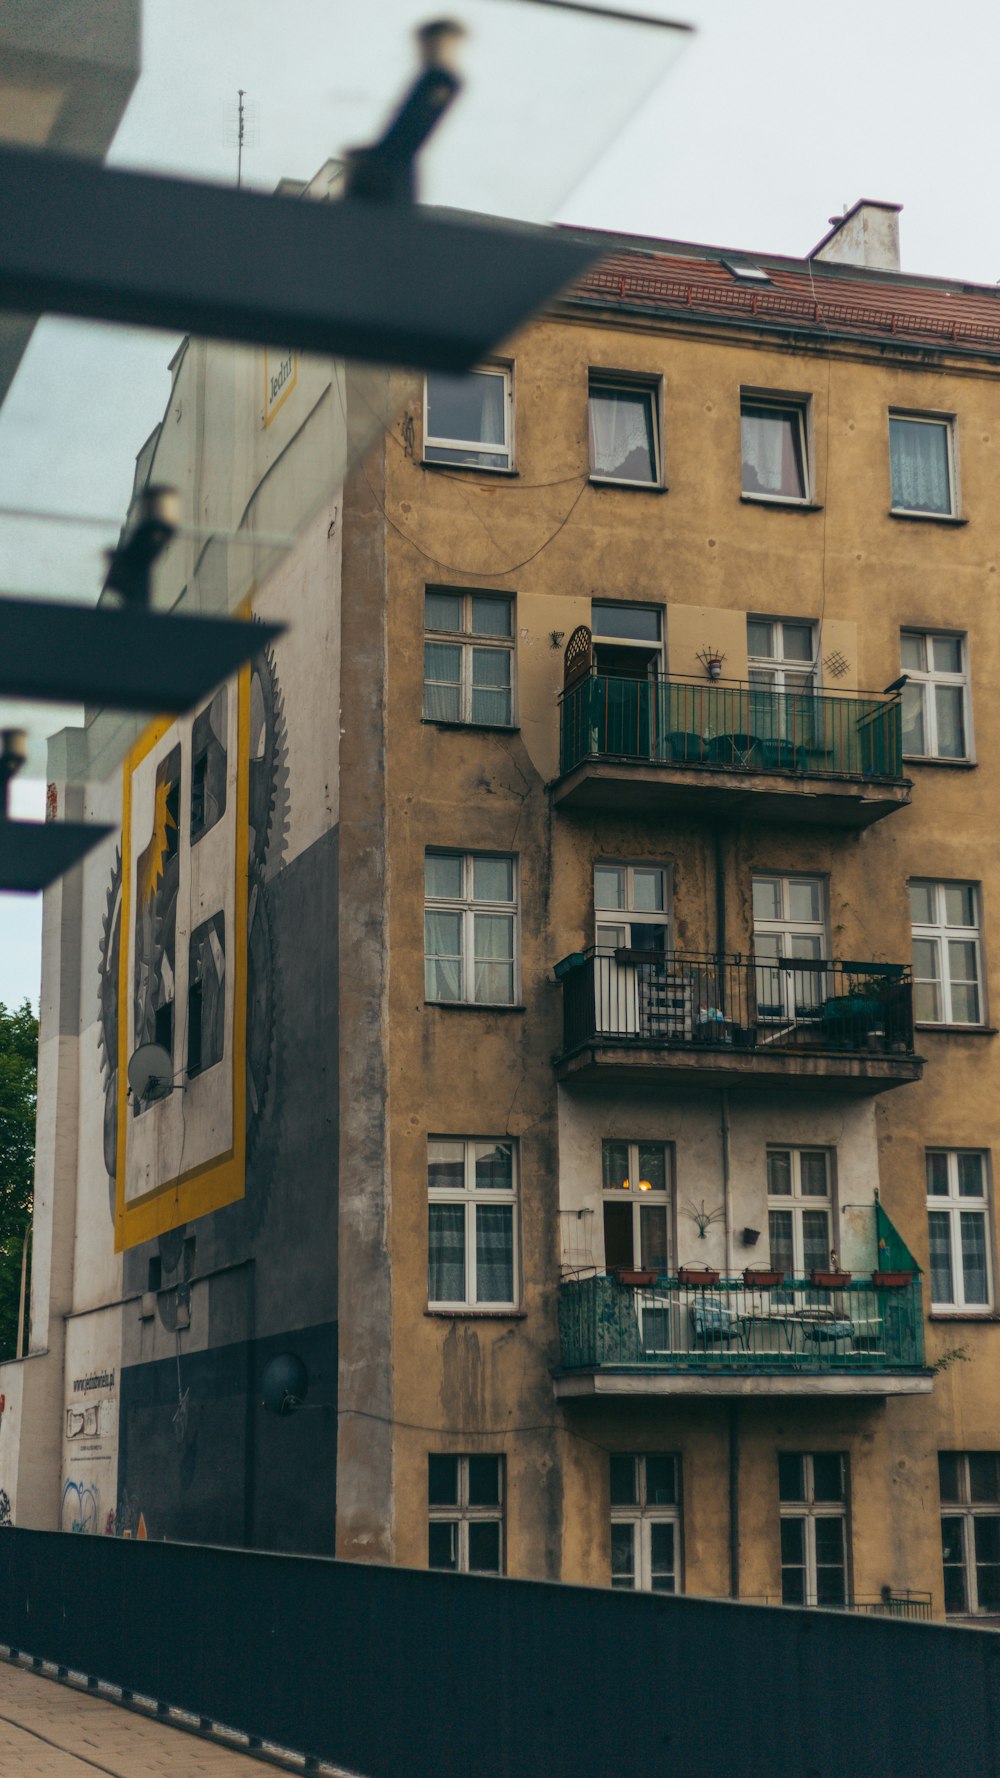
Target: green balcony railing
[
  {"x": 738, "y": 1327},
  {"x": 730, "y": 727}
]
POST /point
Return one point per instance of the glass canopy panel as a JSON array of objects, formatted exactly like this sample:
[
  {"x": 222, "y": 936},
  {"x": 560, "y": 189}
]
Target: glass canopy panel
[
  {"x": 258, "y": 450},
  {"x": 546, "y": 87}
]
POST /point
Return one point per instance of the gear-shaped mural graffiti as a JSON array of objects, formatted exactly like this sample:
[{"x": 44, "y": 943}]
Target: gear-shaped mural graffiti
[{"x": 107, "y": 1019}]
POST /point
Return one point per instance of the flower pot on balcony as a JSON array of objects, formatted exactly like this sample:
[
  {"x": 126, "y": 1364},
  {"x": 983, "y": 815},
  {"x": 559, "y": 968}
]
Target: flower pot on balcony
[
  {"x": 702, "y": 1276},
  {"x": 830, "y": 1280},
  {"x": 891, "y": 1280},
  {"x": 634, "y": 1275},
  {"x": 762, "y": 1277}
]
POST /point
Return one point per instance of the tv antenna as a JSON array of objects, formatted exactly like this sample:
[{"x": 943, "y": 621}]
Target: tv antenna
[{"x": 242, "y": 129}]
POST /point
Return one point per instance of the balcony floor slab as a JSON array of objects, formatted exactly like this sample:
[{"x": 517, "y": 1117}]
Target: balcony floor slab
[
  {"x": 722, "y": 1066},
  {"x": 631, "y": 788},
  {"x": 633, "y": 1383}
]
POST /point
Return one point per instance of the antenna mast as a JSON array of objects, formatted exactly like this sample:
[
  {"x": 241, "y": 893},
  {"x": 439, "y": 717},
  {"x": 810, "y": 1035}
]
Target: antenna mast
[{"x": 239, "y": 142}]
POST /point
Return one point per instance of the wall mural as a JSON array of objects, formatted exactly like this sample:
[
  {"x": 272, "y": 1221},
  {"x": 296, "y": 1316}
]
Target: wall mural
[
  {"x": 182, "y": 1002},
  {"x": 157, "y": 876}
]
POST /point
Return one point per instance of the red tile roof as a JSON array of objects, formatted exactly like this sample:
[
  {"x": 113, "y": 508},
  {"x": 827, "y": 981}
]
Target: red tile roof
[{"x": 805, "y": 297}]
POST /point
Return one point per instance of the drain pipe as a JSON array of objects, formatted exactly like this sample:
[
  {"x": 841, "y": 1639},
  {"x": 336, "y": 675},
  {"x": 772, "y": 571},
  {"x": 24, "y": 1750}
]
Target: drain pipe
[
  {"x": 727, "y": 1180},
  {"x": 734, "y": 1500}
]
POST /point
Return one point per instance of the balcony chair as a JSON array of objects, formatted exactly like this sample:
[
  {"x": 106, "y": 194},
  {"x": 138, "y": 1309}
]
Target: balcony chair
[{"x": 714, "y": 1324}]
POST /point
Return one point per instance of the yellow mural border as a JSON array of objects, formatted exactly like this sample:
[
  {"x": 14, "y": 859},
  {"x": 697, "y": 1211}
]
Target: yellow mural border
[
  {"x": 272, "y": 412},
  {"x": 222, "y": 1179}
]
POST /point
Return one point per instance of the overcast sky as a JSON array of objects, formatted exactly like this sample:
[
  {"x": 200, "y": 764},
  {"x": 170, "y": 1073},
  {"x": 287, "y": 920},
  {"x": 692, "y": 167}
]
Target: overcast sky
[{"x": 776, "y": 116}]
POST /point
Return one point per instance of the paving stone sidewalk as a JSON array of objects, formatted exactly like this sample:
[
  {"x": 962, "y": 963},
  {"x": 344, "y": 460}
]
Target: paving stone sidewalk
[{"x": 50, "y": 1730}]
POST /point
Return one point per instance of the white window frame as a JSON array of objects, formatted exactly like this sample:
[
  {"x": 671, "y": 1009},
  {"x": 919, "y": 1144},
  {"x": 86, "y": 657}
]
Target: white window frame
[
  {"x": 928, "y": 419},
  {"x": 642, "y": 1517},
  {"x": 467, "y": 640},
  {"x": 468, "y": 907},
  {"x": 472, "y": 1198},
  {"x": 785, "y": 929},
  {"x": 504, "y": 453},
  {"x": 462, "y": 1515},
  {"x": 811, "y": 1509},
  {"x": 798, "y": 405},
  {"x": 796, "y": 1201},
  {"x": 612, "y": 920},
  {"x": 967, "y": 1511},
  {"x": 927, "y": 679},
  {"x": 954, "y": 1205},
  {"x": 939, "y": 933},
  {"x": 637, "y": 1199},
  {"x": 776, "y": 667},
  {"x": 628, "y": 382}
]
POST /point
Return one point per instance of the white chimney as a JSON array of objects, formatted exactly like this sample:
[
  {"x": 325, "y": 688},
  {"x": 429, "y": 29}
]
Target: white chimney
[{"x": 867, "y": 234}]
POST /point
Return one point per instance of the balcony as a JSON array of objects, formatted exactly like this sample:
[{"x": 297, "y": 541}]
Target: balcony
[
  {"x": 685, "y": 1018},
  {"x": 736, "y": 1338},
  {"x": 652, "y": 745}
]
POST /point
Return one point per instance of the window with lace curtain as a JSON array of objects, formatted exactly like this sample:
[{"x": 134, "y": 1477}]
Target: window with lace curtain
[
  {"x": 470, "y": 927},
  {"x": 468, "y": 658},
  {"x": 472, "y": 1249},
  {"x": 467, "y": 418},
  {"x": 774, "y": 443},
  {"x": 624, "y": 431},
  {"x": 921, "y": 455}
]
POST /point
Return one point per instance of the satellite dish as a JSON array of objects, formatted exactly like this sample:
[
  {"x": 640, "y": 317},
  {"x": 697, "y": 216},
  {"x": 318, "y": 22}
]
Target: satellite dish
[
  {"x": 150, "y": 1072},
  {"x": 284, "y": 1381}
]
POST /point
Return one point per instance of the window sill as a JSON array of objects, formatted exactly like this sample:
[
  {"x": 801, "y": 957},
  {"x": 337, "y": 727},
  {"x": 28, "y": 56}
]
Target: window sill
[
  {"x": 611, "y": 481},
  {"x": 476, "y": 1006},
  {"x": 972, "y": 1315},
  {"x": 927, "y": 518},
  {"x": 472, "y": 1314},
  {"x": 467, "y": 468},
  {"x": 951, "y": 765},
  {"x": 958, "y": 1030},
  {"x": 783, "y": 505},
  {"x": 498, "y": 728}
]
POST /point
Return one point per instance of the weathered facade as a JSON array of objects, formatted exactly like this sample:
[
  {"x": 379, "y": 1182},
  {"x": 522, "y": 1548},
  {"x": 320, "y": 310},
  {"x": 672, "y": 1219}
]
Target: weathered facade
[{"x": 571, "y": 678}]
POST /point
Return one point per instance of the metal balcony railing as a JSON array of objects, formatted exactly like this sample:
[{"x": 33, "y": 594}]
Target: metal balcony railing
[
  {"x": 730, "y": 727},
  {"x": 700, "y": 1000},
  {"x": 731, "y": 1325}
]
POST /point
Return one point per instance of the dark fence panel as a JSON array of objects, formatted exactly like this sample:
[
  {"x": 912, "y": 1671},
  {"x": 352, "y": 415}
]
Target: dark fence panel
[{"x": 401, "y": 1674}]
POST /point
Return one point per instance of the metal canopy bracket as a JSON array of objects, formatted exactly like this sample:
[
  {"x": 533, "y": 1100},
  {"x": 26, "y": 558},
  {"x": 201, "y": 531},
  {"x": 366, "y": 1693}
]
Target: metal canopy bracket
[{"x": 388, "y": 283}]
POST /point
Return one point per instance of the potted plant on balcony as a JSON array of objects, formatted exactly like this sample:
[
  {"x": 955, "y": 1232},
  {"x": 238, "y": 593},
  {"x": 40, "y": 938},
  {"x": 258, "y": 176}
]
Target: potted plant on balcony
[
  {"x": 890, "y": 1277},
  {"x": 762, "y": 1277},
  {"x": 634, "y": 1276},
  {"x": 833, "y": 1278},
  {"x": 701, "y": 1276}
]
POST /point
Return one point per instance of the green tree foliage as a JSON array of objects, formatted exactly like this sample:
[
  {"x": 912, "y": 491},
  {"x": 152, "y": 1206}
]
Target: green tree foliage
[{"x": 18, "y": 1086}]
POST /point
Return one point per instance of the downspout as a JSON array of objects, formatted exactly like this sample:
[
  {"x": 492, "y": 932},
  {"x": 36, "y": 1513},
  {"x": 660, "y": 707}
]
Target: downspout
[
  {"x": 734, "y": 1411},
  {"x": 734, "y": 1499},
  {"x": 720, "y": 967}
]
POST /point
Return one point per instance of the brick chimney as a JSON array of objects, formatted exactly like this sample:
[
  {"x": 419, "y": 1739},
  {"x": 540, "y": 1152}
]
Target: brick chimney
[{"x": 867, "y": 234}]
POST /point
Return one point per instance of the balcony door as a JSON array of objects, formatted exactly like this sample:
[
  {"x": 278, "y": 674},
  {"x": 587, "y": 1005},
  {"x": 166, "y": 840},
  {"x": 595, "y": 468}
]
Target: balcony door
[
  {"x": 631, "y": 915},
  {"x": 799, "y": 1201},
  {"x": 636, "y": 1180},
  {"x": 789, "y": 923},
  {"x": 628, "y": 663}
]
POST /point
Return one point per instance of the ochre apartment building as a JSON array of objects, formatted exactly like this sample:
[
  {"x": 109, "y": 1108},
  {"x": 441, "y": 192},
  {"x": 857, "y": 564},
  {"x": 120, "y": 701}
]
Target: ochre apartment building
[{"x": 573, "y": 942}]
